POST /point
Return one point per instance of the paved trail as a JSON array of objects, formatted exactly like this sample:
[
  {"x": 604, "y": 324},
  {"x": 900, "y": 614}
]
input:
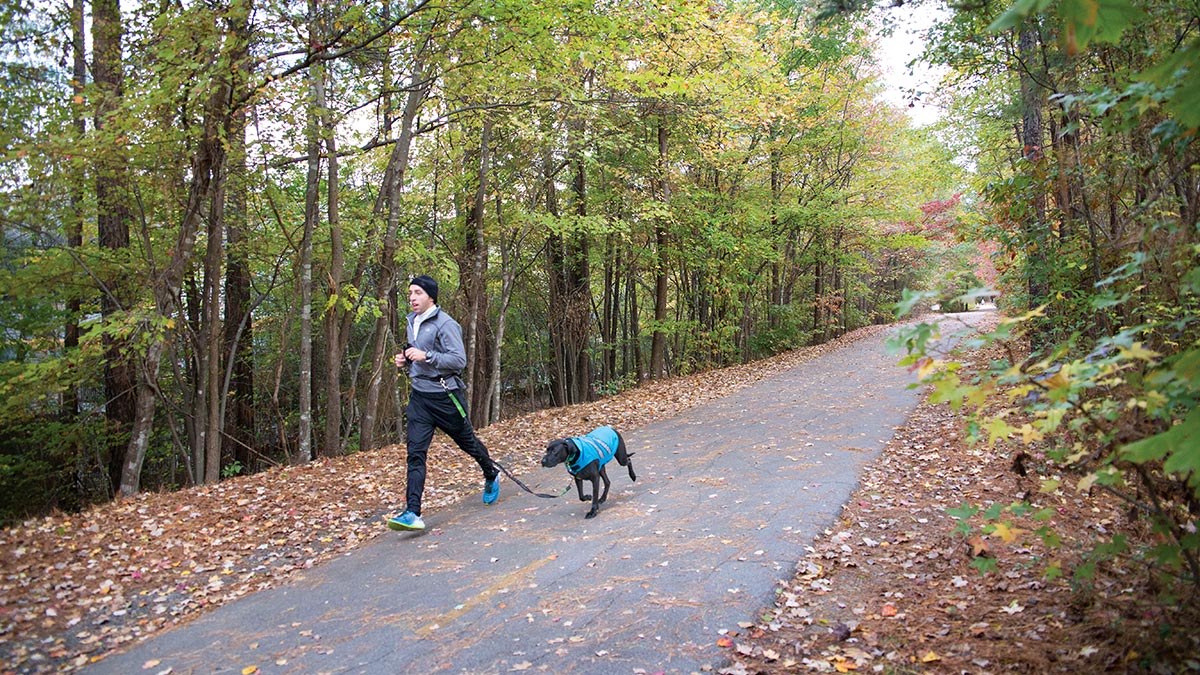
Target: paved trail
[{"x": 728, "y": 494}]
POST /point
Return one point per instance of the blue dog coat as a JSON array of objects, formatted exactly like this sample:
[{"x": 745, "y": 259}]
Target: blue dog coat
[{"x": 600, "y": 444}]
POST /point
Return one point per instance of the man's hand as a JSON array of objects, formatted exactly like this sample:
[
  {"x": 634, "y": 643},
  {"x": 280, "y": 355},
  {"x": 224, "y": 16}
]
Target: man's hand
[
  {"x": 416, "y": 355},
  {"x": 400, "y": 360}
]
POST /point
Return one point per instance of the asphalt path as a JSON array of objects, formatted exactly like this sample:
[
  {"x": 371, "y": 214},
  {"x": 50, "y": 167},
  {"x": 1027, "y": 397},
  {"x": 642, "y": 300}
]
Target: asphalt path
[{"x": 728, "y": 495}]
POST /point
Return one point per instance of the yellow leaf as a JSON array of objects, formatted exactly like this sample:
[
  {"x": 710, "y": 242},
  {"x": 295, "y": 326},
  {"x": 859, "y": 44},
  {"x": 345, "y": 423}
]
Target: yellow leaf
[
  {"x": 1008, "y": 534},
  {"x": 927, "y": 367},
  {"x": 249, "y": 670},
  {"x": 1031, "y": 314},
  {"x": 1137, "y": 351},
  {"x": 930, "y": 657},
  {"x": 1029, "y": 434},
  {"x": 1057, "y": 380}
]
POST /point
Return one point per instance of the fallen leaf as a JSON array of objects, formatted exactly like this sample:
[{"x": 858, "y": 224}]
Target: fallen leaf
[
  {"x": 888, "y": 610},
  {"x": 843, "y": 666},
  {"x": 150, "y": 664},
  {"x": 1006, "y": 533},
  {"x": 930, "y": 657},
  {"x": 979, "y": 547}
]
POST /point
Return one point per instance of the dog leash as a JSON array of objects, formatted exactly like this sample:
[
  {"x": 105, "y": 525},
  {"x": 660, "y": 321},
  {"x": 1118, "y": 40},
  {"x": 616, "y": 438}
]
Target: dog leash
[
  {"x": 498, "y": 465},
  {"x": 524, "y": 487}
]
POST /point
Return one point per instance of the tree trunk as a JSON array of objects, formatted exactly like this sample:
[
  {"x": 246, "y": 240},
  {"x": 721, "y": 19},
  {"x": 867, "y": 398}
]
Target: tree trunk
[
  {"x": 570, "y": 296},
  {"x": 334, "y": 347},
  {"x": 509, "y": 262},
  {"x": 70, "y": 404},
  {"x": 205, "y": 174},
  {"x": 474, "y": 286},
  {"x": 610, "y": 307},
  {"x": 555, "y": 311},
  {"x": 238, "y": 387},
  {"x": 396, "y": 169},
  {"x": 1037, "y": 240},
  {"x": 112, "y": 221},
  {"x": 312, "y": 213},
  {"x": 212, "y": 332},
  {"x": 239, "y": 333},
  {"x": 659, "y": 341},
  {"x": 579, "y": 289},
  {"x": 633, "y": 330}
]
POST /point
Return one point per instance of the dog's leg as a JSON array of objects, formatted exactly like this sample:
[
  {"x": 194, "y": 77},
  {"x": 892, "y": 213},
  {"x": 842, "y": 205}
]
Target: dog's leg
[
  {"x": 607, "y": 483},
  {"x": 596, "y": 494},
  {"x": 579, "y": 488}
]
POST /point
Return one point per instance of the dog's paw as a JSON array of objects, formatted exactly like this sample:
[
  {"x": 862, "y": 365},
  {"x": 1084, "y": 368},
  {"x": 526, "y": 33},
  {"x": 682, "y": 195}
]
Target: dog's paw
[
  {"x": 591, "y": 514},
  {"x": 585, "y": 498}
]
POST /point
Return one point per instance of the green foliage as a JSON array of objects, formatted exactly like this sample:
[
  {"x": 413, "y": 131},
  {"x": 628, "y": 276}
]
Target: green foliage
[
  {"x": 1119, "y": 416},
  {"x": 42, "y": 467},
  {"x": 232, "y": 469},
  {"x": 1082, "y": 22},
  {"x": 768, "y": 216}
]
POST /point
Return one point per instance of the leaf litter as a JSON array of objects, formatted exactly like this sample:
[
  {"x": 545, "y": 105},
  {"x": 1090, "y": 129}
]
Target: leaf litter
[
  {"x": 885, "y": 588},
  {"x": 889, "y": 587}
]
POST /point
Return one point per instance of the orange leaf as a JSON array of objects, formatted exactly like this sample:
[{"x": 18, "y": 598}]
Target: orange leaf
[
  {"x": 888, "y": 610},
  {"x": 724, "y": 643},
  {"x": 979, "y": 547}
]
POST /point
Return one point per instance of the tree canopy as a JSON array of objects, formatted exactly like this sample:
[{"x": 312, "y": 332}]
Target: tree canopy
[{"x": 210, "y": 211}]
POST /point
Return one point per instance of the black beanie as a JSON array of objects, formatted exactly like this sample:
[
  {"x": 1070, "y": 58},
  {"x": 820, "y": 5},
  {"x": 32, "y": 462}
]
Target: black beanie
[{"x": 427, "y": 284}]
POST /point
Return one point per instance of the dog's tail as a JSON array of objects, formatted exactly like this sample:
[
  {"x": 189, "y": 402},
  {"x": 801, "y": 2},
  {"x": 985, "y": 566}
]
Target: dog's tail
[{"x": 628, "y": 464}]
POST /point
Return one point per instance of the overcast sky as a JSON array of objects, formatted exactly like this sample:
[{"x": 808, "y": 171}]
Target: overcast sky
[{"x": 896, "y": 50}]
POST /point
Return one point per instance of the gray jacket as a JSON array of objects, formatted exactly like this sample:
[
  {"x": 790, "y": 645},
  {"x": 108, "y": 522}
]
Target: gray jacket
[{"x": 441, "y": 340}]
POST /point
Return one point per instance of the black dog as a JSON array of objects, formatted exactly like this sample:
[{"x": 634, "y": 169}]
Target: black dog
[{"x": 585, "y": 457}]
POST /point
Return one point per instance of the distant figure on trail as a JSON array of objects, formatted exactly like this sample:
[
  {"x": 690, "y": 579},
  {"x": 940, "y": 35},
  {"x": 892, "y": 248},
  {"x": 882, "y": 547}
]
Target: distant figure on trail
[{"x": 434, "y": 357}]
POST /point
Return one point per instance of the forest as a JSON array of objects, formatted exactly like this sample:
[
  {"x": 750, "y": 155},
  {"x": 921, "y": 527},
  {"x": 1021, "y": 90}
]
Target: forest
[{"x": 209, "y": 212}]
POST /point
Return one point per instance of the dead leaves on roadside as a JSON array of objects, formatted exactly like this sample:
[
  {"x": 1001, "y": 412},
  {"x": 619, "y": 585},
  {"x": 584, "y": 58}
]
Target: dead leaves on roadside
[
  {"x": 890, "y": 588},
  {"x": 77, "y": 586}
]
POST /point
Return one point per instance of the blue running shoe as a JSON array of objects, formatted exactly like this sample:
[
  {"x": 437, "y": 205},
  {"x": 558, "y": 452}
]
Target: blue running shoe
[
  {"x": 406, "y": 521},
  {"x": 491, "y": 490}
]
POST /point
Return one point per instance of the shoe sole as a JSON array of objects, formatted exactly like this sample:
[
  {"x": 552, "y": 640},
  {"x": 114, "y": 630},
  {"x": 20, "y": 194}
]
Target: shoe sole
[{"x": 392, "y": 525}]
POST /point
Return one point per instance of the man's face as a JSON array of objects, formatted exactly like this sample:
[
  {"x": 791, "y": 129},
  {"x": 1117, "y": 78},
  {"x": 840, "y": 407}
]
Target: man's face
[{"x": 418, "y": 299}]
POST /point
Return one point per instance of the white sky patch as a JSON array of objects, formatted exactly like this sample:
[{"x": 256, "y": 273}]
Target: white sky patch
[{"x": 904, "y": 85}]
